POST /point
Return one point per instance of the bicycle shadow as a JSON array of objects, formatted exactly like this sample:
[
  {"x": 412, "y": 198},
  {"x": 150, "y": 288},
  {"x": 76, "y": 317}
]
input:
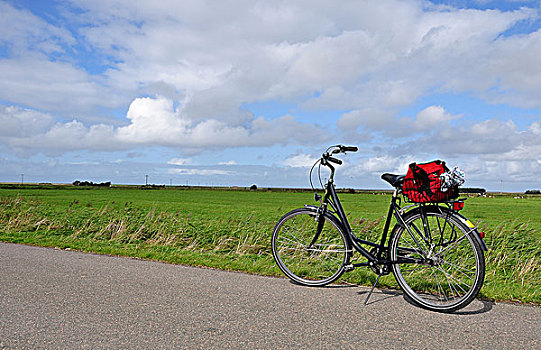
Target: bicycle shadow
[
  {"x": 487, "y": 305},
  {"x": 477, "y": 307}
]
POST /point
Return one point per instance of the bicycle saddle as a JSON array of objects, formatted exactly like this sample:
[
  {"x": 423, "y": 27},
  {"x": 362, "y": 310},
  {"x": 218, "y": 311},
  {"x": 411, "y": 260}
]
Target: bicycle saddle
[{"x": 394, "y": 180}]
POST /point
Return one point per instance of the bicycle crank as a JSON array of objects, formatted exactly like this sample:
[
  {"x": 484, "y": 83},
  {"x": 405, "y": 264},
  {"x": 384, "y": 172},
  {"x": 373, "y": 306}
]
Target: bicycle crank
[{"x": 380, "y": 268}]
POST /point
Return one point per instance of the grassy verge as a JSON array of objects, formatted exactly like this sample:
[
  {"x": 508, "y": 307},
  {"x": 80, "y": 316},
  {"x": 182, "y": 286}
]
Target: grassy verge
[
  {"x": 247, "y": 263},
  {"x": 231, "y": 229}
]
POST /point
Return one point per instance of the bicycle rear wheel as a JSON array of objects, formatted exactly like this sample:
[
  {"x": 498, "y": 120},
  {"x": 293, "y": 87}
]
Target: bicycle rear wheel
[
  {"x": 441, "y": 264},
  {"x": 309, "y": 264}
]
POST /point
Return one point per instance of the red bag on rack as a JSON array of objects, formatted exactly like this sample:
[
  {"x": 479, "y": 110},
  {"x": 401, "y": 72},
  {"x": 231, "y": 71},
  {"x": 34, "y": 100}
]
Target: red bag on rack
[{"x": 423, "y": 184}]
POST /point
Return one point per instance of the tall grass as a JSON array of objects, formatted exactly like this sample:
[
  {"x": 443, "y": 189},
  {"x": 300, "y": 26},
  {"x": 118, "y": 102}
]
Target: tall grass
[
  {"x": 513, "y": 261},
  {"x": 135, "y": 225},
  {"x": 240, "y": 239}
]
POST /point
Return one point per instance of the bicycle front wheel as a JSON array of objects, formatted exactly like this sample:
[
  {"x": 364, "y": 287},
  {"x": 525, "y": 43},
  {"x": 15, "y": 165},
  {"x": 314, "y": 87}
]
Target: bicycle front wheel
[
  {"x": 439, "y": 263},
  {"x": 303, "y": 260}
]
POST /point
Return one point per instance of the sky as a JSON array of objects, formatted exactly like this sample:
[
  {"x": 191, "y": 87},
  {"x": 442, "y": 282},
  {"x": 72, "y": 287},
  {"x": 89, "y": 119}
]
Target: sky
[{"x": 235, "y": 93}]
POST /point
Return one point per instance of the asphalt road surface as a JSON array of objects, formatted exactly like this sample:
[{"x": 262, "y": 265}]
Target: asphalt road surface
[{"x": 55, "y": 299}]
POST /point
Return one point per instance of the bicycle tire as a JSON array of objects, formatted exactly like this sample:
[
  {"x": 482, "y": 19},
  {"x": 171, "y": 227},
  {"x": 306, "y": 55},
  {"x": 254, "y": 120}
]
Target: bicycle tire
[
  {"x": 443, "y": 272},
  {"x": 316, "y": 265}
]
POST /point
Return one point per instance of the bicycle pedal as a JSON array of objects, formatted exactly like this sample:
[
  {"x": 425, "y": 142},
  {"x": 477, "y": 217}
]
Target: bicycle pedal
[{"x": 349, "y": 267}]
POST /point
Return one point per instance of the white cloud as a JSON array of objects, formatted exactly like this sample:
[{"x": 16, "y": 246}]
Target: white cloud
[
  {"x": 22, "y": 31},
  {"x": 489, "y": 150},
  {"x": 514, "y": 67},
  {"x": 353, "y": 56},
  {"x": 201, "y": 172},
  {"x": 68, "y": 137},
  {"x": 37, "y": 67},
  {"x": 151, "y": 119},
  {"x": 179, "y": 161},
  {"x": 535, "y": 128},
  {"x": 20, "y": 122},
  {"x": 431, "y": 117},
  {"x": 300, "y": 161},
  {"x": 215, "y": 57},
  {"x": 381, "y": 164},
  {"x": 155, "y": 122},
  {"x": 373, "y": 118},
  {"x": 487, "y": 137},
  {"x": 231, "y": 162}
]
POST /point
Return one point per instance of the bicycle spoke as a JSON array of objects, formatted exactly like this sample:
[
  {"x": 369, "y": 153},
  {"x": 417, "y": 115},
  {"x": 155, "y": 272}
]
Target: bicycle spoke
[
  {"x": 460, "y": 269},
  {"x": 455, "y": 243},
  {"x": 412, "y": 246},
  {"x": 294, "y": 237},
  {"x": 440, "y": 288},
  {"x": 450, "y": 279},
  {"x": 297, "y": 242},
  {"x": 419, "y": 268}
]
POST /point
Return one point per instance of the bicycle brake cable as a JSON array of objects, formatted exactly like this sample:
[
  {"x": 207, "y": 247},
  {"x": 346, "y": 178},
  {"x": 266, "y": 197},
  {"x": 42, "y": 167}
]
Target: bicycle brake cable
[
  {"x": 311, "y": 171},
  {"x": 319, "y": 177}
]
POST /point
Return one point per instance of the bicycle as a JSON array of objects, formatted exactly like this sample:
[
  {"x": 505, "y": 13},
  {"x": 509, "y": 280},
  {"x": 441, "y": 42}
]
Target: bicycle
[{"x": 434, "y": 252}]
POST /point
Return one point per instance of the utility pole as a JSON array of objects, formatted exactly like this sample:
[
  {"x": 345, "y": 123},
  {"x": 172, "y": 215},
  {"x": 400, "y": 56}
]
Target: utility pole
[
  {"x": 146, "y": 180},
  {"x": 22, "y": 179},
  {"x": 501, "y": 189}
]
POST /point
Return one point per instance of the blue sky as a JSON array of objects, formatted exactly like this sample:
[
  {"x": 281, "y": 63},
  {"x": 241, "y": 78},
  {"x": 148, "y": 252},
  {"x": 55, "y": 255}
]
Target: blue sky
[{"x": 251, "y": 92}]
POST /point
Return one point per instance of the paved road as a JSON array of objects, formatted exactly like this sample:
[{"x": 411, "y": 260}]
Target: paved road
[{"x": 61, "y": 299}]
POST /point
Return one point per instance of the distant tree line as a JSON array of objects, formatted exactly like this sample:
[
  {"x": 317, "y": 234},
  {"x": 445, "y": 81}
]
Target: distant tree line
[
  {"x": 90, "y": 183},
  {"x": 151, "y": 186},
  {"x": 533, "y": 192}
]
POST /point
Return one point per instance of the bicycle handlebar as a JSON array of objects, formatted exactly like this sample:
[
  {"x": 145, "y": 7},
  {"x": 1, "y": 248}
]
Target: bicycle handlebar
[
  {"x": 337, "y": 149},
  {"x": 326, "y": 159},
  {"x": 334, "y": 160},
  {"x": 349, "y": 148},
  {"x": 342, "y": 149}
]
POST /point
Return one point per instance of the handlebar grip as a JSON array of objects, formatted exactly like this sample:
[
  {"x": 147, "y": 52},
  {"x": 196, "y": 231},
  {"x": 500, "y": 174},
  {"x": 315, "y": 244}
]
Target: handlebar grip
[
  {"x": 350, "y": 148},
  {"x": 334, "y": 160}
]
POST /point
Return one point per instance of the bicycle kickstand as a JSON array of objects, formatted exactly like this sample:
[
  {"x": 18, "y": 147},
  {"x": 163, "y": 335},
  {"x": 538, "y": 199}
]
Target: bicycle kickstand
[{"x": 372, "y": 290}]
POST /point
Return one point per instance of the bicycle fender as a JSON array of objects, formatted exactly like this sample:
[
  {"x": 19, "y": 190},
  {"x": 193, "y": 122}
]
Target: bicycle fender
[
  {"x": 313, "y": 207},
  {"x": 476, "y": 235},
  {"x": 320, "y": 222}
]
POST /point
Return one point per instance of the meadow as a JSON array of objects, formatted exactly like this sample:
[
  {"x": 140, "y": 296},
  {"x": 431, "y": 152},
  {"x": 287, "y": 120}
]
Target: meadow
[{"x": 230, "y": 229}]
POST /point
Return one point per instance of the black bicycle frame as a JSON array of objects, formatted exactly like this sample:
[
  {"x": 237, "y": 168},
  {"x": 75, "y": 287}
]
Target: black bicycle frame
[{"x": 331, "y": 198}]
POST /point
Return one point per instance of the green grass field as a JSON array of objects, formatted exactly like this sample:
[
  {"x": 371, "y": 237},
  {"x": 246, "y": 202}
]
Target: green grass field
[{"x": 231, "y": 229}]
